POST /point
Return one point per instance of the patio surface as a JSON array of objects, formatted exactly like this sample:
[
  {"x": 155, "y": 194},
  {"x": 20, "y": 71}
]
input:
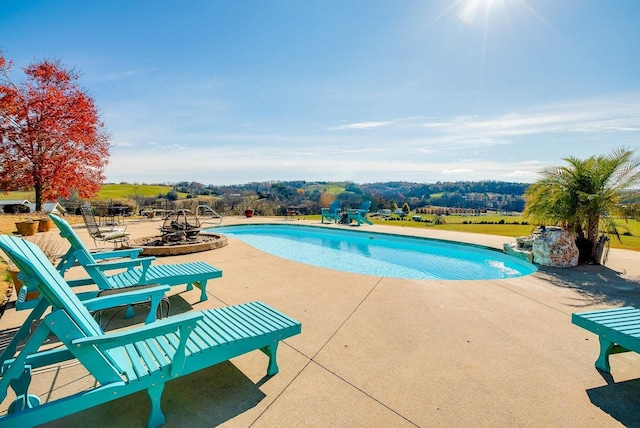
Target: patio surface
[{"x": 385, "y": 352}]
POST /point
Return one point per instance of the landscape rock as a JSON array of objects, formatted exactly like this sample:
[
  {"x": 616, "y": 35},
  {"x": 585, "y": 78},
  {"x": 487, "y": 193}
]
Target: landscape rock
[
  {"x": 549, "y": 246},
  {"x": 555, "y": 247}
]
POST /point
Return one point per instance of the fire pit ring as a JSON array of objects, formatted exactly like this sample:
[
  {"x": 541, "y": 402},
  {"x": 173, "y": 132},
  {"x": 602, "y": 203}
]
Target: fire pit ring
[{"x": 157, "y": 246}]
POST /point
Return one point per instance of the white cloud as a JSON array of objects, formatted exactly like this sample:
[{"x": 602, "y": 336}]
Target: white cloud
[
  {"x": 120, "y": 75},
  {"x": 362, "y": 125},
  {"x": 516, "y": 174},
  {"x": 598, "y": 115},
  {"x": 456, "y": 171},
  {"x": 120, "y": 144}
]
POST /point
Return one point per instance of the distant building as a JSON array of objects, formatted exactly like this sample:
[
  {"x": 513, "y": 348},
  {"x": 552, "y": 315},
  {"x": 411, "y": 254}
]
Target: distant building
[
  {"x": 11, "y": 203},
  {"x": 47, "y": 207}
]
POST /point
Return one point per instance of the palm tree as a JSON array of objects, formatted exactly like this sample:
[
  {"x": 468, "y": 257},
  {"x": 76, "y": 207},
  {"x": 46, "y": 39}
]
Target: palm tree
[{"x": 582, "y": 196}]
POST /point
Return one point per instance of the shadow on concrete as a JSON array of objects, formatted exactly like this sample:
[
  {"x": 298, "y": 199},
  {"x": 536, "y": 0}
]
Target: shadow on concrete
[
  {"x": 6, "y": 336},
  {"x": 225, "y": 393},
  {"x": 596, "y": 284},
  {"x": 207, "y": 398},
  {"x": 620, "y": 400}
]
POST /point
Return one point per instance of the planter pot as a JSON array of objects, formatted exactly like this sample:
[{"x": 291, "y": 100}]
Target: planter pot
[
  {"x": 17, "y": 285},
  {"x": 27, "y": 228},
  {"x": 248, "y": 213},
  {"x": 45, "y": 225}
]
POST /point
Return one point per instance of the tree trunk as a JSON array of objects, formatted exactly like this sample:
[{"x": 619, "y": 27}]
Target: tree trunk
[
  {"x": 38, "y": 189},
  {"x": 592, "y": 235},
  {"x": 585, "y": 250}
]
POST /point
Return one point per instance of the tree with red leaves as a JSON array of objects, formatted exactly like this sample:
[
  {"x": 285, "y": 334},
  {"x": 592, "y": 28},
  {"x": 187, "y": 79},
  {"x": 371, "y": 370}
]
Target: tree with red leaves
[{"x": 52, "y": 140}]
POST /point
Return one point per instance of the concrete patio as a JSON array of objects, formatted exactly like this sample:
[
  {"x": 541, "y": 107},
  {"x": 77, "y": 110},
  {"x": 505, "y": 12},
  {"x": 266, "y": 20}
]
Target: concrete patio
[{"x": 383, "y": 352}]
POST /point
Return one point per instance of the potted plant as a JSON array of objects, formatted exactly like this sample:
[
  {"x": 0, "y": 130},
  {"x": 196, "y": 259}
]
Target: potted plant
[
  {"x": 248, "y": 212},
  {"x": 17, "y": 284},
  {"x": 27, "y": 227},
  {"x": 45, "y": 224}
]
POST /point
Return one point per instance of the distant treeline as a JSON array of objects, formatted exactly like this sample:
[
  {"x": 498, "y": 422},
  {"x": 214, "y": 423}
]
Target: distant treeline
[
  {"x": 275, "y": 197},
  {"x": 495, "y": 195}
]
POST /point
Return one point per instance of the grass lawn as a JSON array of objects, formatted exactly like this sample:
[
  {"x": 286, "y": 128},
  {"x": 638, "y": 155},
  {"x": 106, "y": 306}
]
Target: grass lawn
[
  {"x": 30, "y": 196},
  {"x": 489, "y": 225},
  {"x": 108, "y": 192},
  {"x": 332, "y": 188},
  {"x": 121, "y": 191}
]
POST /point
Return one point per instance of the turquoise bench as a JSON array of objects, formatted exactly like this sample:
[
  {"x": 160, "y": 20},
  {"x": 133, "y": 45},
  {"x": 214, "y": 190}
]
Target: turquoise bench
[{"x": 618, "y": 331}]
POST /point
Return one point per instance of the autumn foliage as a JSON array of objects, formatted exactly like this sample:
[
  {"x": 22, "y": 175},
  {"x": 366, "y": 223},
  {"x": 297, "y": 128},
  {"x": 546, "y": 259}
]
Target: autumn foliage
[{"x": 51, "y": 137}]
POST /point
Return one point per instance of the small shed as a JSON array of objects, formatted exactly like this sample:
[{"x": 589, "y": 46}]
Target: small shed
[{"x": 50, "y": 208}]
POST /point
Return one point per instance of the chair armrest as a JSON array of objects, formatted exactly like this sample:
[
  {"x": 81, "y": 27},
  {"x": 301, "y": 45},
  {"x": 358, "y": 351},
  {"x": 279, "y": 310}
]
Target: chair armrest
[
  {"x": 131, "y": 253},
  {"x": 147, "y": 331},
  {"x": 145, "y": 262},
  {"x": 79, "y": 282},
  {"x": 125, "y": 297}
]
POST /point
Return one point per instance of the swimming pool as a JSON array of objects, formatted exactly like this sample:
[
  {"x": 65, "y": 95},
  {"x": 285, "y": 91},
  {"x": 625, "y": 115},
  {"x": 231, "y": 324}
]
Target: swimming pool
[{"x": 379, "y": 254}]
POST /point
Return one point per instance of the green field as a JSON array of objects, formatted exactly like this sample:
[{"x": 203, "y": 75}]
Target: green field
[
  {"x": 334, "y": 189},
  {"x": 124, "y": 191},
  {"x": 30, "y": 196},
  {"x": 108, "y": 192},
  {"x": 490, "y": 226}
]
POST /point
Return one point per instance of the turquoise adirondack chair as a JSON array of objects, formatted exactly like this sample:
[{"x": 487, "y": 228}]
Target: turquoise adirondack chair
[
  {"x": 135, "y": 295},
  {"x": 139, "y": 270},
  {"x": 331, "y": 213},
  {"x": 360, "y": 215},
  {"x": 125, "y": 361}
]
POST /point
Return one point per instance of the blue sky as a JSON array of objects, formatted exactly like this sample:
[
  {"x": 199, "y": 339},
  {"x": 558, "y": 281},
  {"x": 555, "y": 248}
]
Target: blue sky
[{"x": 225, "y": 92}]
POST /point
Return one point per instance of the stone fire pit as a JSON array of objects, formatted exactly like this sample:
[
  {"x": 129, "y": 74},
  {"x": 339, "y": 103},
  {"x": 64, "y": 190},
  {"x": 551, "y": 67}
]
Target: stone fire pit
[{"x": 157, "y": 246}]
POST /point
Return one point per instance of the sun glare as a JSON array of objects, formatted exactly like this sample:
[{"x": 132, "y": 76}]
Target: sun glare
[{"x": 471, "y": 11}]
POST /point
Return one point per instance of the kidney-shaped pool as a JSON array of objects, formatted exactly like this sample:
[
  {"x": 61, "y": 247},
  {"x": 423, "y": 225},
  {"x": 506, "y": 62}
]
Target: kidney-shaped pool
[{"x": 379, "y": 254}]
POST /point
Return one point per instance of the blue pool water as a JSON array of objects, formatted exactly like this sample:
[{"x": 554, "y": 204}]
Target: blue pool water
[{"x": 379, "y": 254}]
